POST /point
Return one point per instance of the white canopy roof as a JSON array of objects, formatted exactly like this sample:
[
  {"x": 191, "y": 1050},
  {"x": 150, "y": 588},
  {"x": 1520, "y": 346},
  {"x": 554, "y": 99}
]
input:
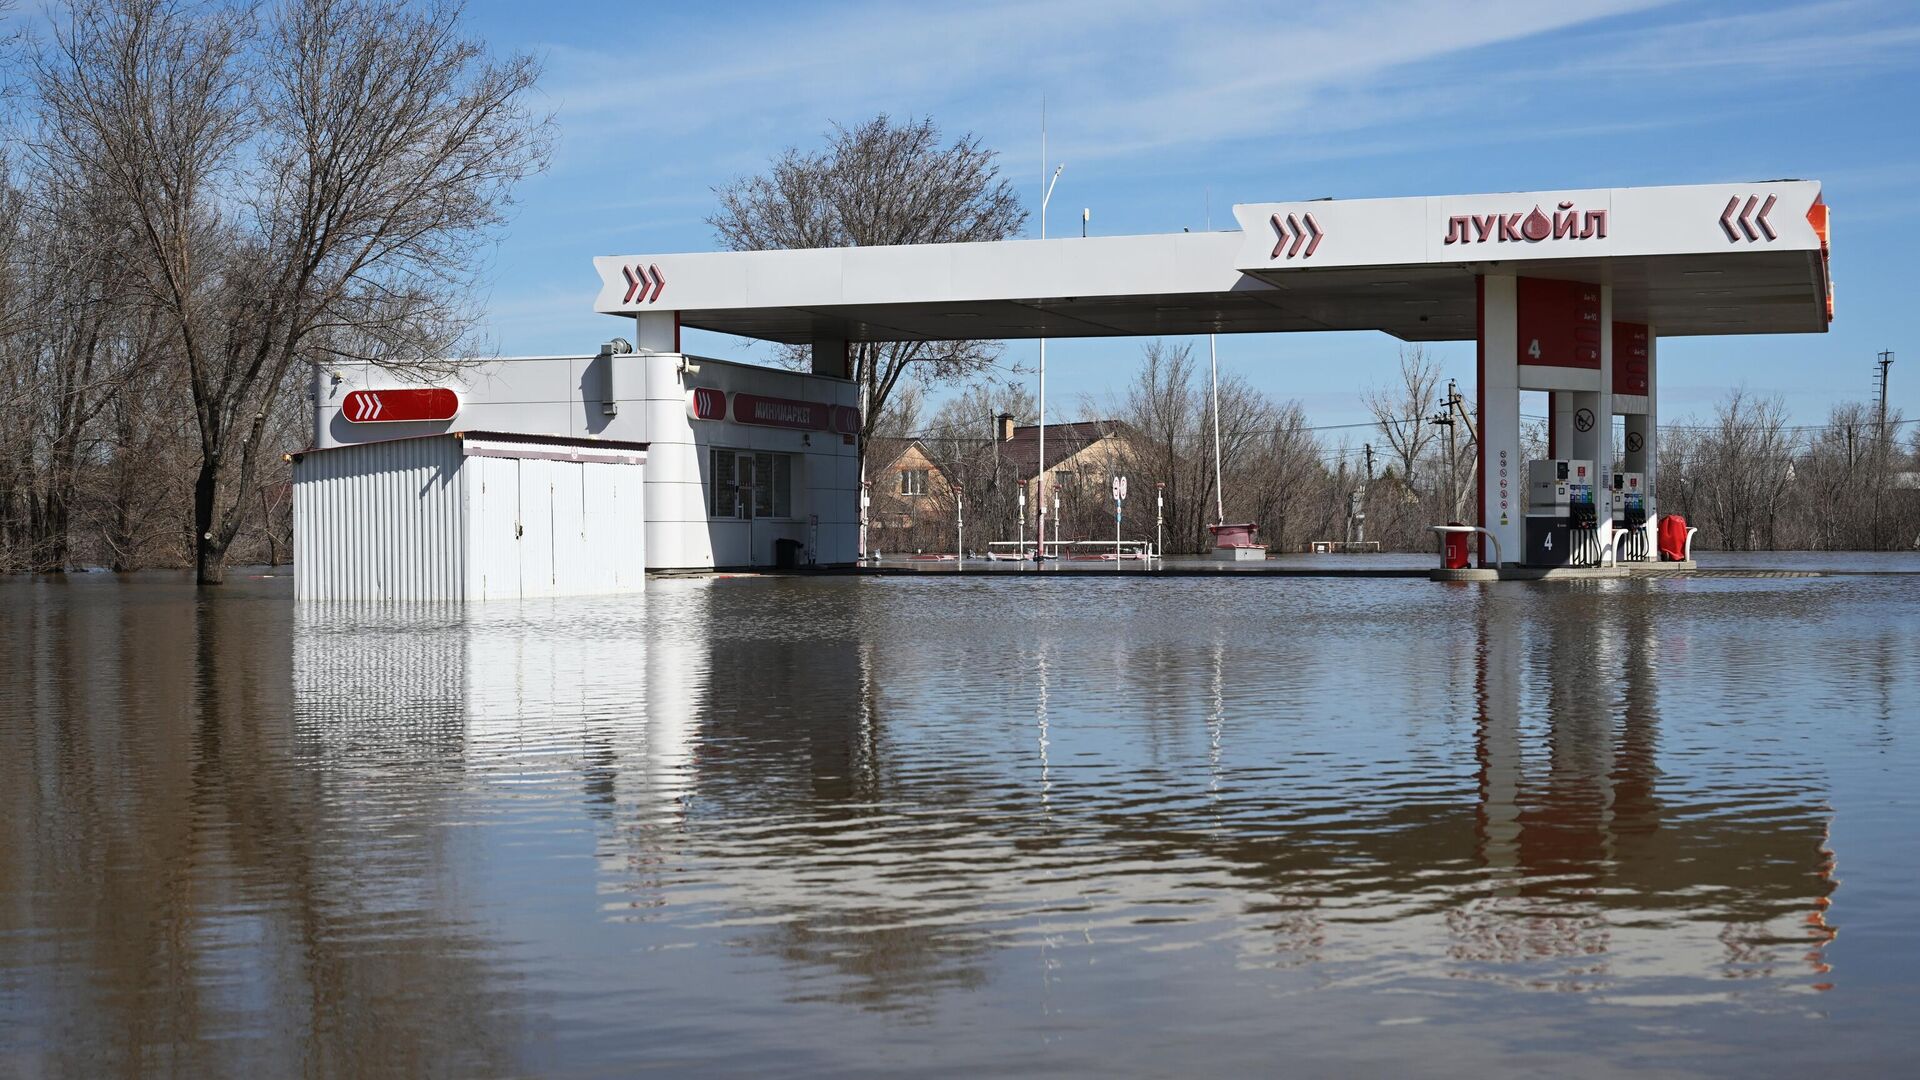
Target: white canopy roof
[{"x": 1705, "y": 259}]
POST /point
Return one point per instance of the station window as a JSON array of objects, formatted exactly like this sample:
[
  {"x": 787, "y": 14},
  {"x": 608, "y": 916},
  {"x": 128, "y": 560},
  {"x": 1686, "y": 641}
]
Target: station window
[
  {"x": 749, "y": 485},
  {"x": 913, "y": 481}
]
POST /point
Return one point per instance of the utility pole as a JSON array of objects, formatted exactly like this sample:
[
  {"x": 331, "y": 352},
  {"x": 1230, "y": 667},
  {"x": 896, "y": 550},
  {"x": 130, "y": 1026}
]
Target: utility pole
[
  {"x": 1445, "y": 419},
  {"x": 993, "y": 430},
  {"x": 1456, "y": 406},
  {"x": 1357, "y": 502},
  {"x": 1886, "y": 361}
]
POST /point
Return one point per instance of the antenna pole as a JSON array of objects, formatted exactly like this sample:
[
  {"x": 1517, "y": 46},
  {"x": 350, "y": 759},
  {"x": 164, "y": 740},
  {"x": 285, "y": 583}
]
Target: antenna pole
[
  {"x": 1040, "y": 474},
  {"x": 1046, "y": 194},
  {"x": 1219, "y": 493}
]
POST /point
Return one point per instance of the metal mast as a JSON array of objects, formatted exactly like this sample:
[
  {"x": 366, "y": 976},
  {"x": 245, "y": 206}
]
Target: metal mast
[
  {"x": 1046, "y": 194},
  {"x": 1213, "y": 368}
]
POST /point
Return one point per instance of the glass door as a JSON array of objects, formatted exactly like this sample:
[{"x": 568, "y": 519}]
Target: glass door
[{"x": 747, "y": 477}]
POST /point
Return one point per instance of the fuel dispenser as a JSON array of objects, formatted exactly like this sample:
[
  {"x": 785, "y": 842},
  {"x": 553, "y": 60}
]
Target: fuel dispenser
[
  {"x": 1562, "y": 526},
  {"x": 1547, "y": 522},
  {"x": 1630, "y": 513},
  {"x": 1583, "y": 515}
]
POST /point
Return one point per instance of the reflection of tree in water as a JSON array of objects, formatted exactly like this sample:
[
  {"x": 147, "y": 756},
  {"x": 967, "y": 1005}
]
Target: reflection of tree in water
[
  {"x": 793, "y": 802},
  {"x": 882, "y": 964},
  {"x": 228, "y": 902}
]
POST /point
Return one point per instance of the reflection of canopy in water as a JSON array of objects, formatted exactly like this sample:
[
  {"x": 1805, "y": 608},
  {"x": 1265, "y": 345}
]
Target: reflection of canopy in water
[
  {"x": 718, "y": 734},
  {"x": 1588, "y": 832}
]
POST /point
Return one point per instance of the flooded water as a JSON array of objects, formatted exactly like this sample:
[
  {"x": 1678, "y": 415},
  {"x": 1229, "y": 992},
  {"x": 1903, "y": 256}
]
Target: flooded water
[{"x": 857, "y": 826}]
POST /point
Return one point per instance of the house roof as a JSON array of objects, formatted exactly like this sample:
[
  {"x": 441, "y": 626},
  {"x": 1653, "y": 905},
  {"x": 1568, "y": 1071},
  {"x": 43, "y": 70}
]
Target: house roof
[
  {"x": 1064, "y": 441},
  {"x": 884, "y": 452}
]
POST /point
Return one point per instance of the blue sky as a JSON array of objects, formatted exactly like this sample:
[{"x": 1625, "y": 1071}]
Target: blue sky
[{"x": 1157, "y": 107}]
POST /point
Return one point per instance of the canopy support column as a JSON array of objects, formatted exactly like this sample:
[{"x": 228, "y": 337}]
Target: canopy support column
[
  {"x": 1643, "y": 452},
  {"x": 657, "y": 331},
  {"x": 830, "y": 358},
  {"x": 1501, "y": 479},
  {"x": 1592, "y": 435}
]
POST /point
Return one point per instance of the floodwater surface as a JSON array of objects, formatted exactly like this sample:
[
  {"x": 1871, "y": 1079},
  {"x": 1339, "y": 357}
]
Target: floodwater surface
[{"x": 963, "y": 825}]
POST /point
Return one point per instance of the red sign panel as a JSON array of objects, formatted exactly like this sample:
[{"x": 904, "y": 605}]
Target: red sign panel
[
  {"x": 428, "y": 403},
  {"x": 707, "y": 404},
  {"x": 1629, "y": 358},
  {"x": 1559, "y": 323},
  {"x": 846, "y": 420},
  {"x": 780, "y": 412}
]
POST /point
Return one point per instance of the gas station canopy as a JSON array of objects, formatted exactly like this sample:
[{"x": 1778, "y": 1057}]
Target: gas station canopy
[{"x": 1705, "y": 259}]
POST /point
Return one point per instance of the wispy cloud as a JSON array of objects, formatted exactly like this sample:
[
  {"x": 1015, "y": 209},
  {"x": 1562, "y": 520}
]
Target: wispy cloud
[
  {"x": 1125, "y": 79},
  {"x": 1151, "y": 102}
]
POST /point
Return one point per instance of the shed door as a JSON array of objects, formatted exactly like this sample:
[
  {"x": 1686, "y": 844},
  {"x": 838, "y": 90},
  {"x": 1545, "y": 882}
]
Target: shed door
[
  {"x": 498, "y": 526},
  {"x": 536, "y": 525}
]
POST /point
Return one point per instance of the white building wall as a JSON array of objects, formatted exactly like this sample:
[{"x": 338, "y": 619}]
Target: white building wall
[
  {"x": 443, "y": 518},
  {"x": 555, "y": 528},
  {"x": 533, "y": 395},
  {"x": 383, "y": 521},
  {"x": 681, "y": 531},
  {"x": 564, "y": 396},
  {"x": 494, "y": 550}
]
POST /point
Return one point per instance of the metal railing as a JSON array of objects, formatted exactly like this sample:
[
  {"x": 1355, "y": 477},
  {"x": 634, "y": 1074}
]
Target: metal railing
[{"x": 1018, "y": 550}]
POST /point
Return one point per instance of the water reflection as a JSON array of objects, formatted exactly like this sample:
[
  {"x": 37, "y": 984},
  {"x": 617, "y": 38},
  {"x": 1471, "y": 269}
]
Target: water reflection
[
  {"x": 244, "y": 836},
  {"x": 1600, "y": 860},
  {"x": 183, "y": 881}
]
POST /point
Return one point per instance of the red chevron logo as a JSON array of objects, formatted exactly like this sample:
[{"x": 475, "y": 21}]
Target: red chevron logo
[
  {"x": 644, "y": 283},
  {"x": 1292, "y": 234},
  {"x": 1747, "y": 219}
]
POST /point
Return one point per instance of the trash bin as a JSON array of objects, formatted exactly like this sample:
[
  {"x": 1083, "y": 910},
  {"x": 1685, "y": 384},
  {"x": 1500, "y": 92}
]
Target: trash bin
[
  {"x": 1453, "y": 549},
  {"x": 786, "y": 553}
]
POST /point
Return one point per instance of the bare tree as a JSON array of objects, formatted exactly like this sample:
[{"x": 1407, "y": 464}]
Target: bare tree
[
  {"x": 963, "y": 438},
  {"x": 1166, "y": 417},
  {"x": 1404, "y": 411},
  {"x": 1735, "y": 472},
  {"x": 878, "y": 183},
  {"x": 306, "y": 185},
  {"x": 1278, "y": 479}
]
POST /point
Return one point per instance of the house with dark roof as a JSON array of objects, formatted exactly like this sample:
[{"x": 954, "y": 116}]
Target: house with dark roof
[
  {"x": 910, "y": 497},
  {"x": 1082, "y": 458}
]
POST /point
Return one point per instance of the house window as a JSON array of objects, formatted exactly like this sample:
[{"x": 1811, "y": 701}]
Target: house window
[
  {"x": 913, "y": 481},
  {"x": 750, "y": 485}
]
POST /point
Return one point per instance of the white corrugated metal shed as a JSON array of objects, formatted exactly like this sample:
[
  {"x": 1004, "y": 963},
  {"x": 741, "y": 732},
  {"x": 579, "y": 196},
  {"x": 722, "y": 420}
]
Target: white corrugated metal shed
[{"x": 469, "y": 516}]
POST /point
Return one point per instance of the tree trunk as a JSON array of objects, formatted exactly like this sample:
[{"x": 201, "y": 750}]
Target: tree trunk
[{"x": 209, "y": 552}]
